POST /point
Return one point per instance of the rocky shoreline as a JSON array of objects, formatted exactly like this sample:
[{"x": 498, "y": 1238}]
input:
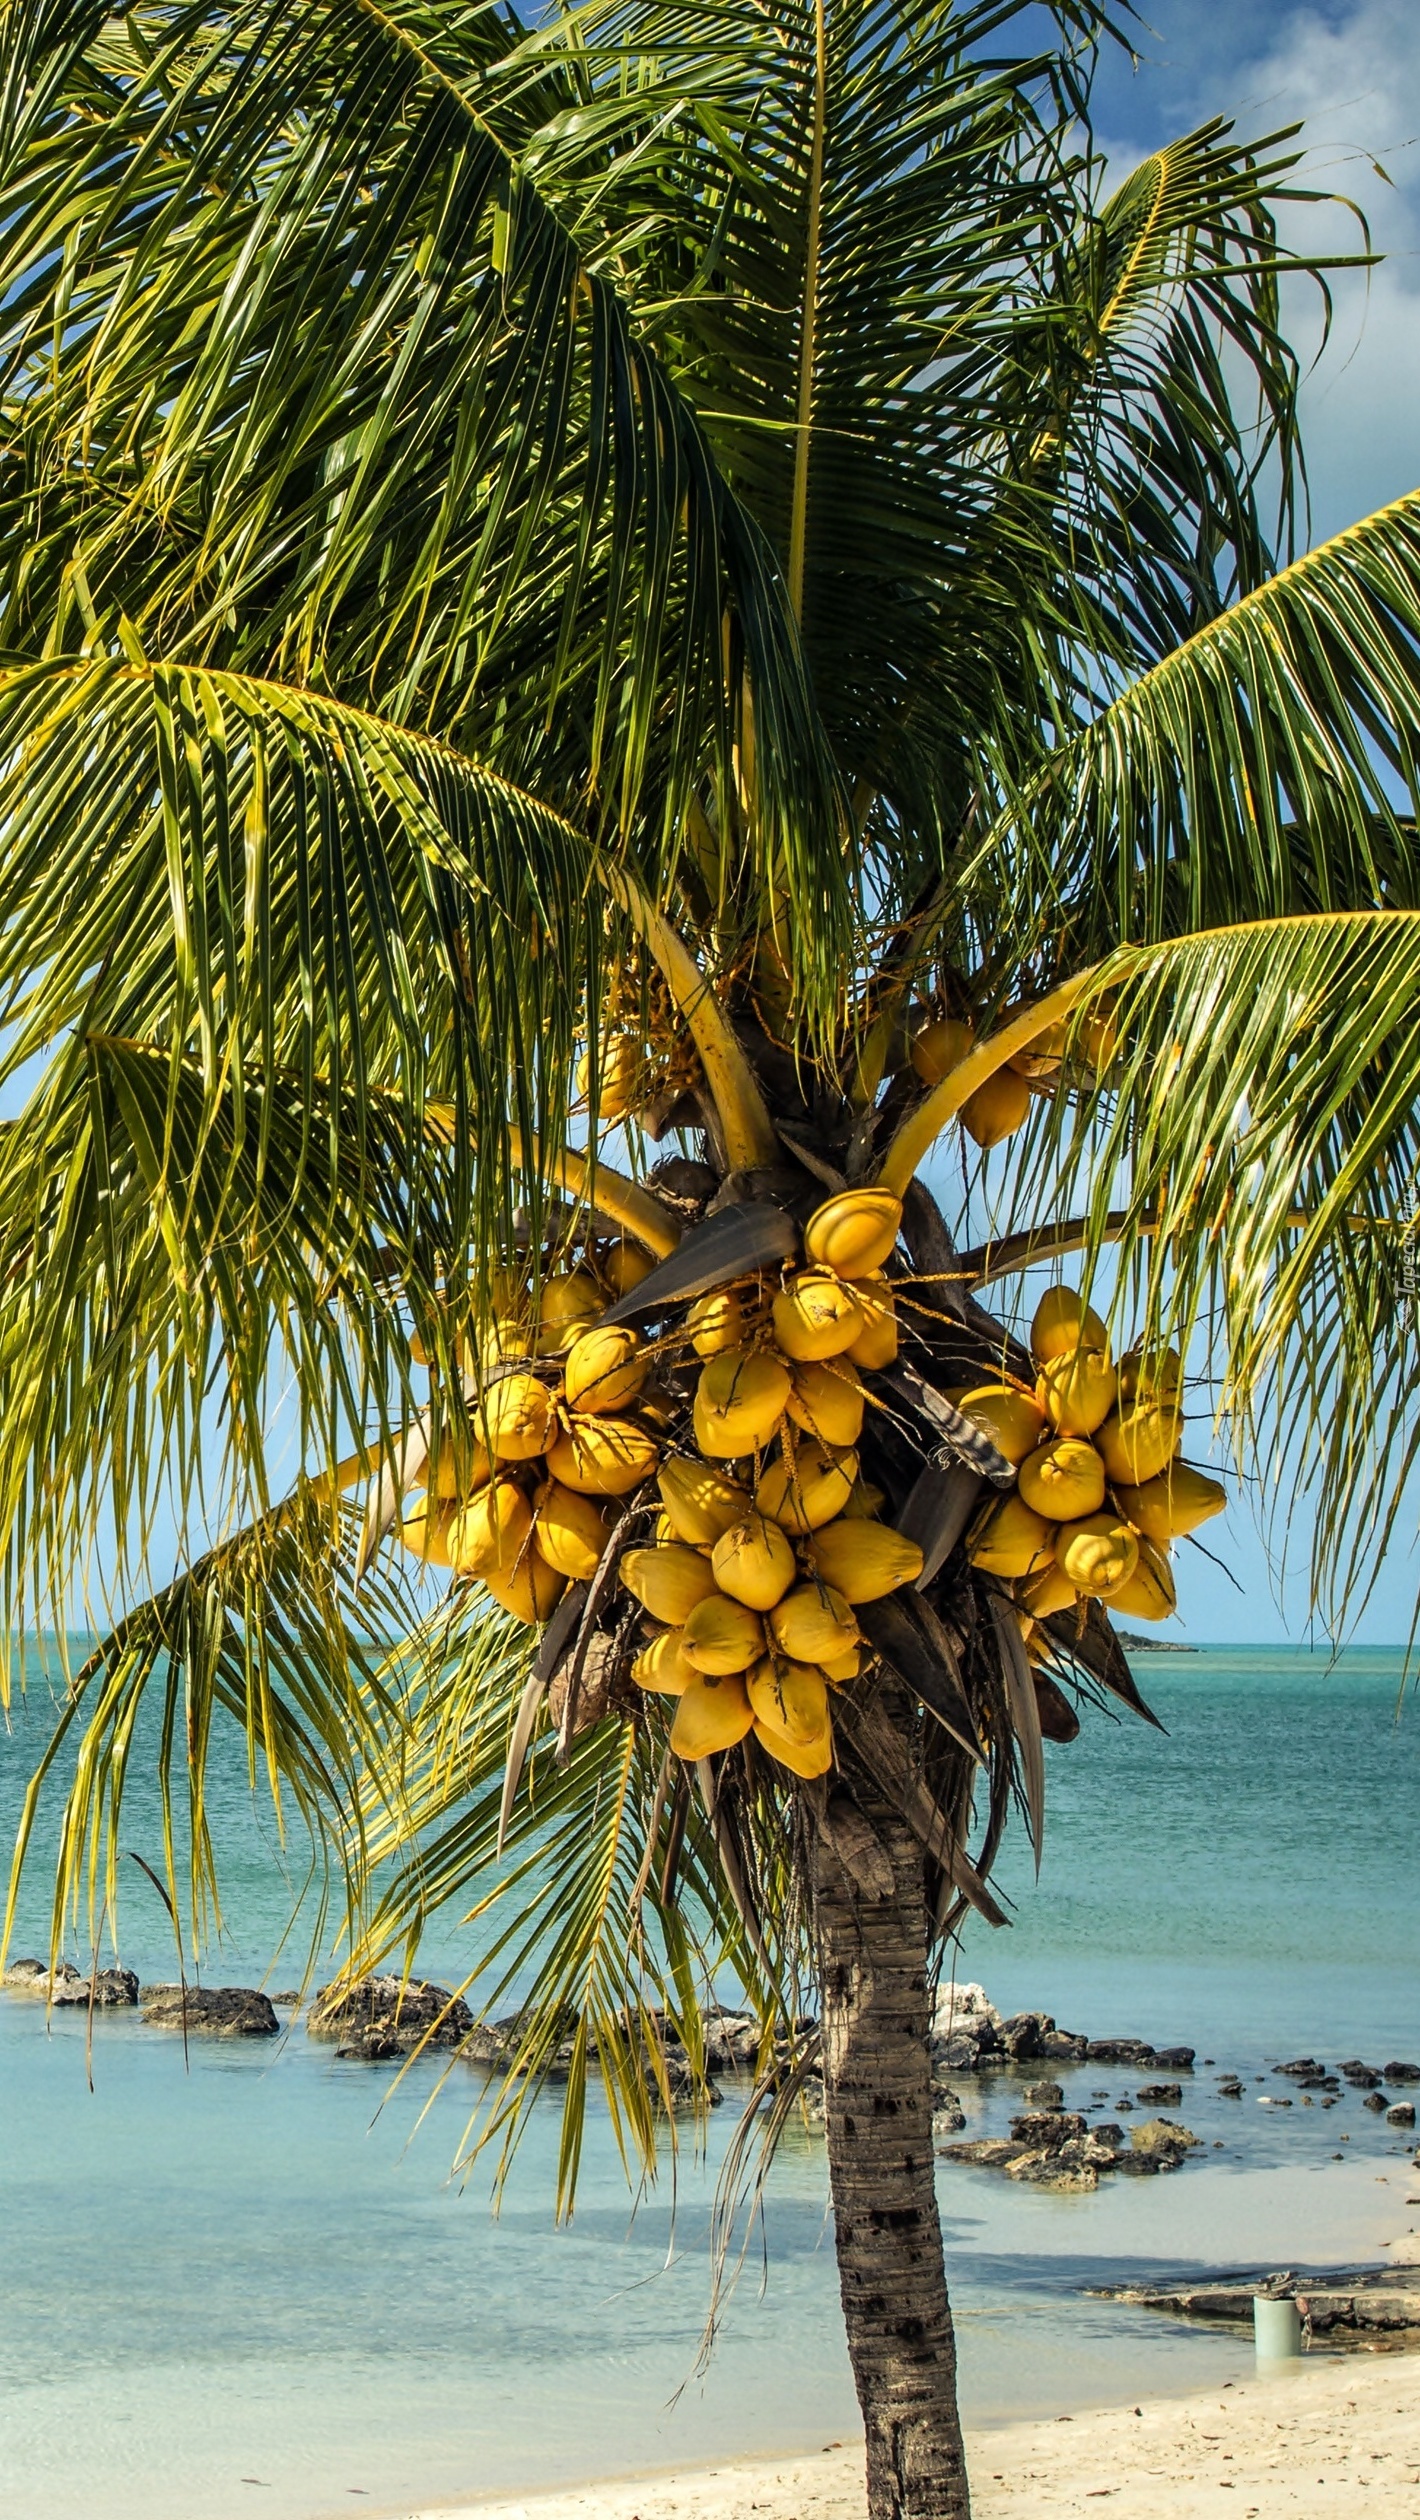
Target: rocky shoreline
[{"x": 385, "y": 2019}]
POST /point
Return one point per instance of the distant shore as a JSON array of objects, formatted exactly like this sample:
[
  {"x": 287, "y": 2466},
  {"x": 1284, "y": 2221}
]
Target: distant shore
[{"x": 1333, "y": 2436}]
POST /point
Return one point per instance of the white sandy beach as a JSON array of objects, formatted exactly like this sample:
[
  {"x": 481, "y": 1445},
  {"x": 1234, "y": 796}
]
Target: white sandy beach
[{"x": 1337, "y": 2436}]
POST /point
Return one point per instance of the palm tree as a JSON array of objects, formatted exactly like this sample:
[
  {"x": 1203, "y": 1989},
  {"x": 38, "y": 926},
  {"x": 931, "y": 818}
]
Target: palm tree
[{"x": 712, "y": 540}]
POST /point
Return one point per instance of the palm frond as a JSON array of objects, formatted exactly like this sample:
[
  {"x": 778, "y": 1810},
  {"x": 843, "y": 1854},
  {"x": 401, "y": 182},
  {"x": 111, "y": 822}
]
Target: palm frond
[
  {"x": 1266, "y": 767},
  {"x": 340, "y": 400}
]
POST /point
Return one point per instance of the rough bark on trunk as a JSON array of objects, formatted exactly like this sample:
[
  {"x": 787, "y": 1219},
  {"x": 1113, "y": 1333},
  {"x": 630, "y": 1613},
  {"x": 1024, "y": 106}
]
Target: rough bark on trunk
[{"x": 872, "y": 1951}]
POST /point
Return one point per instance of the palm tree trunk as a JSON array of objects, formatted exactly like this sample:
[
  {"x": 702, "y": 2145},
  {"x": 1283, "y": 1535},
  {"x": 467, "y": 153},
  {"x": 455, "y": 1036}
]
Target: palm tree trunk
[{"x": 872, "y": 1948}]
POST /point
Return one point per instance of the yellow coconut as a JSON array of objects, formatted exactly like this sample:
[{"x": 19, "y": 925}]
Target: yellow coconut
[
  {"x": 1137, "y": 1444},
  {"x": 1099, "y": 1040},
  {"x": 941, "y": 1045},
  {"x": 828, "y": 1401},
  {"x": 571, "y": 1301},
  {"x": 531, "y": 1590},
  {"x": 739, "y": 1402},
  {"x": 839, "y": 1669},
  {"x": 1015, "y": 1541},
  {"x": 712, "y": 1715},
  {"x": 813, "y": 1624},
  {"x": 1177, "y": 1501},
  {"x": 753, "y": 1562},
  {"x": 997, "y": 1108},
  {"x": 605, "y": 1371},
  {"x": 854, "y": 1231},
  {"x": 1151, "y": 1374},
  {"x": 1063, "y": 1320},
  {"x": 1063, "y": 1480},
  {"x": 618, "y": 1077},
  {"x": 1149, "y": 1592},
  {"x": 571, "y": 1531},
  {"x": 806, "y": 1759},
  {"x": 668, "y": 1580},
  {"x": 726, "y": 1319},
  {"x": 624, "y": 1265},
  {"x": 503, "y": 1339},
  {"x": 865, "y": 1501},
  {"x": 809, "y": 1490},
  {"x": 790, "y": 1697},
  {"x": 701, "y": 1502},
  {"x": 491, "y": 1530},
  {"x": 662, "y": 1668},
  {"x": 1096, "y": 1553},
  {"x": 722, "y": 1635},
  {"x": 1042, "y": 1056},
  {"x": 864, "y": 1561},
  {"x": 520, "y": 1418},
  {"x": 815, "y": 1316},
  {"x": 1013, "y": 1420},
  {"x": 1047, "y": 1590},
  {"x": 1077, "y": 1390},
  {"x": 459, "y": 1470},
  {"x": 603, "y": 1456},
  {"x": 426, "y": 1533},
  {"x": 876, "y": 1343}
]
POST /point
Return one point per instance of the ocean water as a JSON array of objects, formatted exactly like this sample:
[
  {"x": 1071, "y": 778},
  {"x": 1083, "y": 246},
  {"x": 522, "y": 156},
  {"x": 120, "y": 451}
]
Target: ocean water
[{"x": 245, "y": 2281}]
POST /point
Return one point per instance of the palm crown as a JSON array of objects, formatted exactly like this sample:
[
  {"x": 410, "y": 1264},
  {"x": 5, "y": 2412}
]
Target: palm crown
[{"x": 714, "y": 531}]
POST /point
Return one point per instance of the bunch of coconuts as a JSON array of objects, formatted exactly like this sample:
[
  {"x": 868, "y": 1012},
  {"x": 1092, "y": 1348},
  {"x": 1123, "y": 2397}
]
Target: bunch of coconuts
[
  {"x": 767, "y": 1538},
  {"x": 997, "y": 1109},
  {"x": 1101, "y": 1493}
]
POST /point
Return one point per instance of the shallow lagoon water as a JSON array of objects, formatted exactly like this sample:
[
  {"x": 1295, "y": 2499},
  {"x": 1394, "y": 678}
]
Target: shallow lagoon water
[{"x": 247, "y": 2283}]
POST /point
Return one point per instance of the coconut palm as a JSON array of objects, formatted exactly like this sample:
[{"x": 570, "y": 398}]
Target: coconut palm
[{"x": 717, "y": 544}]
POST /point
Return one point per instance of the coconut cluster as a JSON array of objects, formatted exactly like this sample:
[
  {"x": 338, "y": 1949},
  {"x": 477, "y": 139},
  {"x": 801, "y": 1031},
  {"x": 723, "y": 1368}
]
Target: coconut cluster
[
  {"x": 1101, "y": 1493},
  {"x": 999, "y": 1106},
  {"x": 567, "y": 1424},
  {"x": 769, "y": 1538}
]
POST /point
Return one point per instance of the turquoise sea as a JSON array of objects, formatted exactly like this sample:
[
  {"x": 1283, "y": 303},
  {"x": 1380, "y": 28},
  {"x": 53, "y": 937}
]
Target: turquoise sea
[{"x": 245, "y": 2283}]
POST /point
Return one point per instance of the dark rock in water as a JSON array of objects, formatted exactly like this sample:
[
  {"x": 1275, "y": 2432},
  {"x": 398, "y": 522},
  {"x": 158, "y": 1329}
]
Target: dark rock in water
[
  {"x": 1046, "y": 2127},
  {"x": 1043, "y": 2095},
  {"x": 731, "y": 2043},
  {"x": 948, "y": 2115},
  {"x": 1395, "y": 2072},
  {"x": 1376, "y": 2100},
  {"x": 1159, "y": 2144},
  {"x": 210, "y": 2012},
  {"x": 989, "y": 2152},
  {"x": 1179, "y": 2060},
  {"x": 376, "y": 2049},
  {"x": 1021, "y": 2035},
  {"x": 1401, "y": 2114},
  {"x": 1229, "y": 2088},
  {"x": 1302, "y": 2069},
  {"x": 287, "y": 1995},
  {"x": 1053, "y": 2169},
  {"x": 108, "y": 1990},
  {"x": 1160, "y": 2095},
  {"x": 1364, "y": 2077},
  {"x": 1064, "y": 2047},
  {"x": 1121, "y": 2052},
  {"x": 413, "y": 2012},
  {"x": 1124, "y": 2101}
]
